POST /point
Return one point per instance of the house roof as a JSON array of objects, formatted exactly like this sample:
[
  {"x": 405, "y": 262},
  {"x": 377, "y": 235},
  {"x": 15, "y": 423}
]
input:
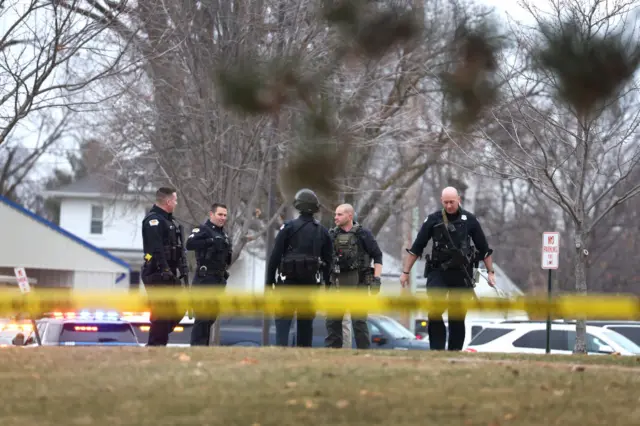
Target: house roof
[
  {"x": 101, "y": 186},
  {"x": 61, "y": 231},
  {"x": 93, "y": 184}
]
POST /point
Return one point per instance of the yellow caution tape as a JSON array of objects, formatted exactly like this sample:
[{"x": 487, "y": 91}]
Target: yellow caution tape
[{"x": 173, "y": 302}]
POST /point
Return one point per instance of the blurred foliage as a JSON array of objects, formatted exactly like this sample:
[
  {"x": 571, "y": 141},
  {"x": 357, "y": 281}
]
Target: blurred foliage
[
  {"x": 471, "y": 85},
  {"x": 590, "y": 68}
]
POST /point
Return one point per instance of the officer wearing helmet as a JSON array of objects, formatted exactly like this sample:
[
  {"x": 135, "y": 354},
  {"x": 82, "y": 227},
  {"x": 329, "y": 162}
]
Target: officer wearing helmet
[{"x": 302, "y": 257}]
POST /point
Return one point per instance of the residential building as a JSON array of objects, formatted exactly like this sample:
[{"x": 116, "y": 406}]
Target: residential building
[
  {"x": 52, "y": 256},
  {"x": 107, "y": 215}
]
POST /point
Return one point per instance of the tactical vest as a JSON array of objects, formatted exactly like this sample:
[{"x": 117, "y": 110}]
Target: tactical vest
[
  {"x": 172, "y": 243},
  {"x": 348, "y": 252},
  {"x": 453, "y": 251},
  {"x": 214, "y": 258},
  {"x": 298, "y": 265}
]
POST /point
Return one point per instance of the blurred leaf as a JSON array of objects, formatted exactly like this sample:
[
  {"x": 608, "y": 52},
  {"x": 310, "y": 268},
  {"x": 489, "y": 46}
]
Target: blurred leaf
[
  {"x": 252, "y": 88},
  {"x": 591, "y": 69},
  {"x": 370, "y": 31},
  {"x": 314, "y": 165},
  {"x": 470, "y": 86}
]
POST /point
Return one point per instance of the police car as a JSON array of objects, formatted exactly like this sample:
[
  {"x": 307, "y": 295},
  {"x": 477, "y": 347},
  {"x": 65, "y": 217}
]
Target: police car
[
  {"x": 84, "y": 328},
  {"x": 140, "y": 321},
  {"x": 9, "y": 329}
]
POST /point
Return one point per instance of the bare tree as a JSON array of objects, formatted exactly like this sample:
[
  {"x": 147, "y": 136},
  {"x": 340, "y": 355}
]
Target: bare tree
[
  {"x": 578, "y": 144},
  {"x": 49, "y": 61}
]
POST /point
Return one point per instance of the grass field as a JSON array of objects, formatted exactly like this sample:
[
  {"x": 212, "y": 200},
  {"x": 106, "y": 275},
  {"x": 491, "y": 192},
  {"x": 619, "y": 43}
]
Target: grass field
[{"x": 285, "y": 386}]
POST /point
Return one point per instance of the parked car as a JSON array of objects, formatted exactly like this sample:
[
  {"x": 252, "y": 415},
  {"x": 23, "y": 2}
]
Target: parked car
[
  {"x": 82, "y": 329},
  {"x": 629, "y": 329},
  {"x": 386, "y": 332},
  {"x": 472, "y": 328},
  {"x": 531, "y": 338}
]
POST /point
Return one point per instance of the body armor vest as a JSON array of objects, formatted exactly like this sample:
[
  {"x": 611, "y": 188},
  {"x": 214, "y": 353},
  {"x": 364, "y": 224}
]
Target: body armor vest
[
  {"x": 171, "y": 243},
  {"x": 451, "y": 251},
  {"x": 214, "y": 258},
  {"x": 348, "y": 252}
]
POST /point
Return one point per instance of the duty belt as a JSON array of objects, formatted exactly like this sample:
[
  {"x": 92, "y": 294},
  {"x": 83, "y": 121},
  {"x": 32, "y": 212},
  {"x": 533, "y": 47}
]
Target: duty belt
[{"x": 203, "y": 270}]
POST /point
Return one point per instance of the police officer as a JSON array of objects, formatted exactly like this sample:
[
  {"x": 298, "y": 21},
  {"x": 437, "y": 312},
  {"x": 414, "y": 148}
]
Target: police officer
[
  {"x": 302, "y": 257},
  {"x": 162, "y": 245},
  {"x": 451, "y": 263},
  {"x": 213, "y": 255},
  {"x": 353, "y": 247}
]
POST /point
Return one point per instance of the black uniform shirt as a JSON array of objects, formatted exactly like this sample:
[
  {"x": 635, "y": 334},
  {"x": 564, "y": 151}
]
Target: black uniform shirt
[
  {"x": 201, "y": 238},
  {"x": 305, "y": 237},
  {"x": 473, "y": 228},
  {"x": 156, "y": 230}
]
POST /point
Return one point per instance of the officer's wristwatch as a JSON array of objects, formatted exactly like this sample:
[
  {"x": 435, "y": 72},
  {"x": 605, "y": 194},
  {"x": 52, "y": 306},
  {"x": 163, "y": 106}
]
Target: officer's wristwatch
[{"x": 491, "y": 271}]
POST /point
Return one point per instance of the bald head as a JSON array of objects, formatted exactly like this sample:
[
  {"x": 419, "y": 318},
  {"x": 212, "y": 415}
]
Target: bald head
[
  {"x": 450, "y": 199},
  {"x": 344, "y": 215}
]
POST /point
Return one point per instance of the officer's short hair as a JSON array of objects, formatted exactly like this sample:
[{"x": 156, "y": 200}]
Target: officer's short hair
[
  {"x": 163, "y": 193},
  {"x": 215, "y": 206}
]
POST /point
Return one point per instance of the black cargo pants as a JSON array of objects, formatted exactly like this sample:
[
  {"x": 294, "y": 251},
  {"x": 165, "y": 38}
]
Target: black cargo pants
[
  {"x": 159, "y": 328},
  {"x": 304, "y": 321},
  {"x": 348, "y": 279},
  {"x": 201, "y": 331},
  {"x": 441, "y": 281}
]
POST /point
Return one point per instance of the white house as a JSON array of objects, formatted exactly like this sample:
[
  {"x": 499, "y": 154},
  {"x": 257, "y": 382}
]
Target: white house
[
  {"x": 52, "y": 256},
  {"x": 107, "y": 215}
]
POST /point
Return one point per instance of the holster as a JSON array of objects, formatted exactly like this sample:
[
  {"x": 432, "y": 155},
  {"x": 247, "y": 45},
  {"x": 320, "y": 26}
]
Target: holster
[{"x": 429, "y": 265}]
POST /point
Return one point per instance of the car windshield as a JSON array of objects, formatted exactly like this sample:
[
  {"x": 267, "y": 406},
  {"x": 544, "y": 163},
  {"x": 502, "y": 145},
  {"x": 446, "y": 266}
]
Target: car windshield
[
  {"x": 6, "y": 340},
  {"x": 97, "y": 332},
  {"x": 622, "y": 341},
  {"x": 394, "y": 328},
  {"x": 631, "y": 333}
]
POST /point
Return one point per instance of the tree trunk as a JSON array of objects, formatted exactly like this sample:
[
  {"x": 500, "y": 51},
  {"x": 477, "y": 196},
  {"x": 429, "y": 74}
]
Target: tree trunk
[{"x": 581, "y": 287}]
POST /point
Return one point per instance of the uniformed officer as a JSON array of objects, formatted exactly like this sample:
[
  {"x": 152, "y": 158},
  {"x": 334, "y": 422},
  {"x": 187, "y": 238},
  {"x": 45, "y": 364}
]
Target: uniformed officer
[
  {"x": 213, "y": 255},
  {"x": 353, "y": 249},
  {"x": 451, "y": 263},
  {"x": 302, "y": 257},
  {"x": 162, "y": 245}
]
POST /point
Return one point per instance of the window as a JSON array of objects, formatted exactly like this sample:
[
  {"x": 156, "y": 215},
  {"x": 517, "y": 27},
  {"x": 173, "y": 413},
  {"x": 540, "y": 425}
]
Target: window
[
  {"x": 631, "y": 333},
  {"x": 373, "y": 329},
  {"x": 97, "y": 333},
  {"x": 537, "y": 339},
  {"x": 394, "y": 328},
  {"x": 475, "y": 329},
  {"x": 97, "y": 213},
  {"x": 488, "y": 335}
]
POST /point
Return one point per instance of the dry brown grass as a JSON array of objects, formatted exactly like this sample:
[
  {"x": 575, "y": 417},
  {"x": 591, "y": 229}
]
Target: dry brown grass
[{"x": 282, "y": 386}]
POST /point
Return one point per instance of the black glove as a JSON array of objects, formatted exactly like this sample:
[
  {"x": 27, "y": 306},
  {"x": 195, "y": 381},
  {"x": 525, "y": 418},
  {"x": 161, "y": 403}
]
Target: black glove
[{"x": 376, "y": 283}]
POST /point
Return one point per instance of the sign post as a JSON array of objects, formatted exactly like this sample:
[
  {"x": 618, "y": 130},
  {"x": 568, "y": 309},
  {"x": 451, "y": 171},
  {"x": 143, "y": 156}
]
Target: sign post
[
  {"x": 550, "y": 261},
  {"x": 23, "y": 283}
]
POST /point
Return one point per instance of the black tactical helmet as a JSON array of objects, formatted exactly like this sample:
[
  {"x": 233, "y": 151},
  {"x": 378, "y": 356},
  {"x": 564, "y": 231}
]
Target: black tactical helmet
[{"x": 306, "y": 201}]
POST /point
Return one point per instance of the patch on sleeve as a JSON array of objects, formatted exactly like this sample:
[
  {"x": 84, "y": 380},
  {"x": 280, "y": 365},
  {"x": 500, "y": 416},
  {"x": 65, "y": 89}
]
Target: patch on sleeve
[
  {"x": 153, "y": 222},
  {"x": 195, "y": 230}
]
